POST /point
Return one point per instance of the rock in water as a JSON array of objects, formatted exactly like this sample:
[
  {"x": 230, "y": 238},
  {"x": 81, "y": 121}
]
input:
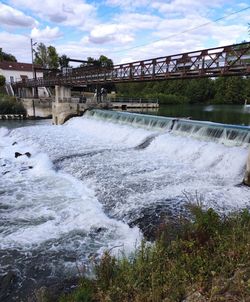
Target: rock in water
[
  {"x": 17, "y": 154},
  {"x": 6, "y": 284}
]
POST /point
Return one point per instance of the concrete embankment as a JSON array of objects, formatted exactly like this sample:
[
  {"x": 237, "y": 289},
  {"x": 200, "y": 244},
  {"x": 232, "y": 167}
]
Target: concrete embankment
[{"x": 38, "y": 108}]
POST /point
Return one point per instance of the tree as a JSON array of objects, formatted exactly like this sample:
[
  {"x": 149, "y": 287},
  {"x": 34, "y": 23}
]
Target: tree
[
  {"x": 2, "y": 80},
  {"x": 64, "y": 61},
  {"x": 103, "y": 62},
  {"x": 47, "y": 57},
  {"x": 53, "y": 57},
  {"x": 230, "y": 90},
  {"x": 6, "y": 56},
  {"x": 41, "y": 55}
]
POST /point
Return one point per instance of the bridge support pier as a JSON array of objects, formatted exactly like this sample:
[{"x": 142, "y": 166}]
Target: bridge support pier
[
  {"x": 246, "y": 180},
  {"x": 63, "y": 107},
  {"x": 25, "y": 92},
  {"x": 62, "y": 93}
]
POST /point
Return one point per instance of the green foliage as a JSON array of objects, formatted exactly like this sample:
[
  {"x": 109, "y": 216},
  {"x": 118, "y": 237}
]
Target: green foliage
[
  {"x": 2, "y": 80},
  {"x": 64, "y": 61},
  {"x": 84, "y": 293},
  {"x": 103, "y": 62},
  {"x": 47, "y": 57},
  {"x": 225, "y": 90},
  {"x": 9, "y": 105},
  {"x": 210, "y": 256},
  {"x": 6, "y": 56},
  {"x": 53, "y": 57}
]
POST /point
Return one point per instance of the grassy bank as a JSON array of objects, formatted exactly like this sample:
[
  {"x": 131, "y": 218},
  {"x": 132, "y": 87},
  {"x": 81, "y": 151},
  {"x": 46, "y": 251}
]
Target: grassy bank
[
  {"x": 9, "y": 105},
  {"x": 206, "y": 259}
]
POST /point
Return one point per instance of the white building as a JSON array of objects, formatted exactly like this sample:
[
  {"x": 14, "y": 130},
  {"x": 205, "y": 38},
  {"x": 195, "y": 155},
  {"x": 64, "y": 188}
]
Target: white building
[{"x": 16, "y": 71}]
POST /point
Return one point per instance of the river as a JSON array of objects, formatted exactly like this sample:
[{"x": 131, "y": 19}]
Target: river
[
  {"x": 225, "y": 114},
  {"x": 89, "y": 186}
]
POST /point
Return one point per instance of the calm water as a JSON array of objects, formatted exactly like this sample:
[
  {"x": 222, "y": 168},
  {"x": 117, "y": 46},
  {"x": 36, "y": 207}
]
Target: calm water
[
  {"x": 226, "y": 114},
  {"x": 24, "y": 123}
]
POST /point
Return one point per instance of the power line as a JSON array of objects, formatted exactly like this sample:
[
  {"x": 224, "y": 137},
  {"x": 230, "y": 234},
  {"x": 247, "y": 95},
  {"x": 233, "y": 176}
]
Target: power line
[{"x": 182, "y": 32}]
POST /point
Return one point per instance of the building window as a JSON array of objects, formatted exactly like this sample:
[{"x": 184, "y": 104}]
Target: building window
[{"x": 12, "y": 79}]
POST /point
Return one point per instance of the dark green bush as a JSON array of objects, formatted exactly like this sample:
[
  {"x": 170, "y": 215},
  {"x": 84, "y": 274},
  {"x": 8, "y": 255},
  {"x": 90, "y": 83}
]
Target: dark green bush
[
  {"x": 2, "y": 80},
  {"x": 9, "y": 105}
]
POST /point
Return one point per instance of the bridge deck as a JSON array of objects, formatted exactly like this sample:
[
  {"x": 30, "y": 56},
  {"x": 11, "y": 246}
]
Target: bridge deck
[{"x": 231, "y": 60}]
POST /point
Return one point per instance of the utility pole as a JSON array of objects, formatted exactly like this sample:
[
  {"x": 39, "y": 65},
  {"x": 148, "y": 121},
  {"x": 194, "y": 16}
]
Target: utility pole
[{"x": 35, "y": 90}]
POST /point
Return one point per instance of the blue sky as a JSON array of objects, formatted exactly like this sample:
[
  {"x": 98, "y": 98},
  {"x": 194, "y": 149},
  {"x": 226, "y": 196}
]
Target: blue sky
[{"x": 124, "y": 30}]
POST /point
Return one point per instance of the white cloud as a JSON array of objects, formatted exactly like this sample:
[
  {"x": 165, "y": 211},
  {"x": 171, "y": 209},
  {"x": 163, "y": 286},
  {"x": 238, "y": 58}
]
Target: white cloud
[
  {"x": 128, "y": 4},
  {"x": 104, "y": 33},
  {"x": 186, "y": 6},
  {"x": 70, "y": 13},
  {"x": 114, "y": 38},
  {"x": 15, "y": 18},
  {"x": 46, "y": 34},
  {"x": 18, "y": 45},
  {"x": 124, "y": 28}
]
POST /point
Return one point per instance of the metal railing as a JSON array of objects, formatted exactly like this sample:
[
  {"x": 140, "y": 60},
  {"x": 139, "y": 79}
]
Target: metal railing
[
  {"x": 230, "y": 60},
  {"x": 133, "y": 100}
]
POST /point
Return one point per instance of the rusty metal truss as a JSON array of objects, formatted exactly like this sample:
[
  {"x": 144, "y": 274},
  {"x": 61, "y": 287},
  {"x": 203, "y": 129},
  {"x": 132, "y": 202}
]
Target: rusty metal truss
[{"x": 231, "y": 60}]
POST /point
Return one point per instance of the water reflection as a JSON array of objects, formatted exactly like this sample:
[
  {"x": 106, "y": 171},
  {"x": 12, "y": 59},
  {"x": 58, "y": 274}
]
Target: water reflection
[{"x": 226, "y": 114}]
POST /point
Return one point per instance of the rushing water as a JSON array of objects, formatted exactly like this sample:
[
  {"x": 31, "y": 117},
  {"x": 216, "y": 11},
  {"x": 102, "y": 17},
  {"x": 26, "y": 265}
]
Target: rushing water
[{"x": 90, "y": 183}]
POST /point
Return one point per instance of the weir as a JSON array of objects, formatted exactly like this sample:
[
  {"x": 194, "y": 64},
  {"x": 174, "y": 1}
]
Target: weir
[{"x": 232, "y": 135}]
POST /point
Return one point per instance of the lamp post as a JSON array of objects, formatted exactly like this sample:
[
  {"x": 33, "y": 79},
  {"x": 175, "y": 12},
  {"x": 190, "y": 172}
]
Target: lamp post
[{"x": 35, "y": 91}]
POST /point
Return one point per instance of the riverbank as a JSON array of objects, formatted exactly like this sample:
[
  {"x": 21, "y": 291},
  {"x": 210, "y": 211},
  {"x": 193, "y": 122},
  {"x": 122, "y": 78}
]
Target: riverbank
[
  {"x": 10, "y": 106},
  {"x": 205, "y": 259}
]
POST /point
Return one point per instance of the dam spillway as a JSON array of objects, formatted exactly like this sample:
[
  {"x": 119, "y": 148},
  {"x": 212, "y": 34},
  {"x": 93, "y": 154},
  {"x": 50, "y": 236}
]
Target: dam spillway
[
  {"x": 223, "y": 133},
  {"x": 87, "y": 186}
]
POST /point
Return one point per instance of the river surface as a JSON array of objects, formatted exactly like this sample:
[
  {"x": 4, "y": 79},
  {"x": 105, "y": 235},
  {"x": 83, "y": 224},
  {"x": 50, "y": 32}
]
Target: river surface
[
  {"x": 88, "y": 187},
  {"x": 225, "y": 114}
]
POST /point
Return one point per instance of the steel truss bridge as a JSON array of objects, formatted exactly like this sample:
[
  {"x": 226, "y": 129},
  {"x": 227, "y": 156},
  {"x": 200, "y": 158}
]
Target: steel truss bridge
[{"x": 230, "y": 60}]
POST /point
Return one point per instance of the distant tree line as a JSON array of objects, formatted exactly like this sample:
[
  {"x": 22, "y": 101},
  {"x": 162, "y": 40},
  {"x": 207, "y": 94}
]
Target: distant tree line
[
  {"x": 4, "y": 56},
  {"x": 226, "y": 90},
  {"x": 48, "y": 57}
]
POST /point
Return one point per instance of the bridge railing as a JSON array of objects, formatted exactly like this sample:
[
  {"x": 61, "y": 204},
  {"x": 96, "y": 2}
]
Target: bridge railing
[
  {"x": 133, "y": 100},
  {"x": 213, "y": 62}
]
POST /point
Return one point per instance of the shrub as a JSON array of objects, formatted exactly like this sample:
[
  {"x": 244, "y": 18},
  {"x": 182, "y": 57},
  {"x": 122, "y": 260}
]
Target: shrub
[
  {"x": 209, "y": 258},
  {"x": 2, "y": 80},
  {"x": 9, "y": 105}
]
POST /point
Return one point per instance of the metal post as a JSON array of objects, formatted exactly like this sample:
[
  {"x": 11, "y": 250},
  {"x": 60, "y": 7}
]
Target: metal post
[{"x": 35, "y": 89}]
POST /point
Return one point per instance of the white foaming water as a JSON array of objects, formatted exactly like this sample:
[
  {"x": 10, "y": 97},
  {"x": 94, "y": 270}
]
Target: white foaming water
[
  {"x": 88, "y": 181},
  {"x": 39, "y": 205}
]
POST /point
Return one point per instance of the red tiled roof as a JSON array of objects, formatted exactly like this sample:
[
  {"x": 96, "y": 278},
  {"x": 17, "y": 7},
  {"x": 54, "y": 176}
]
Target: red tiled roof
[{"x": 7, "y": 65}]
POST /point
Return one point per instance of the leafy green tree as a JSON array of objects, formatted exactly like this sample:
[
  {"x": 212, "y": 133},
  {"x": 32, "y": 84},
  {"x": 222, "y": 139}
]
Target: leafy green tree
[
  {"x": 2, "y": 80},
  {"x": 6, "y": 56},
  {"x": 41, "y": 55},
  {"x": 105, "y": 61},
  {"x": 47, "y": 57},
  {"x": 230, "y": 90},
  {"x": 53, "y": 57},
  {"x": 64, "y": 61}
]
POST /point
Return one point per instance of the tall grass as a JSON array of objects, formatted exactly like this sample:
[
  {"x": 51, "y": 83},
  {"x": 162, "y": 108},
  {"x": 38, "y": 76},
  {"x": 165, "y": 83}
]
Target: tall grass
[{"x": 209, "y": 260}]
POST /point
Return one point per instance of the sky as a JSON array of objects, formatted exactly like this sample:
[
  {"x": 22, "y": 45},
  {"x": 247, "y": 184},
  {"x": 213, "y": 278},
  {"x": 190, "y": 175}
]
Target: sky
[{"x": 123, "y": 30}]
